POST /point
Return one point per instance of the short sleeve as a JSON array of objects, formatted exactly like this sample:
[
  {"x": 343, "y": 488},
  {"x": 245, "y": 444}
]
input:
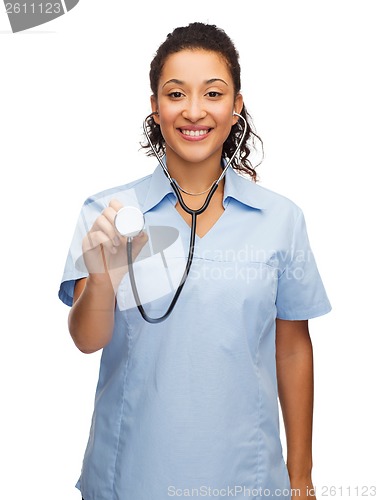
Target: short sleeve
[
  {"x": 75, "y": 268},
  {"x": 300, "y": 292}
]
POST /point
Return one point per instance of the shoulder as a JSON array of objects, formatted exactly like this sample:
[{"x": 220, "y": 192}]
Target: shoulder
[
  {"x": 273, "y": 199},
  {"x": 269, "y": 202},
  {"x": 132, "y": 193}
]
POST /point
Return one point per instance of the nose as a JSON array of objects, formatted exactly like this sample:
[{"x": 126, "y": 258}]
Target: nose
[{"x": 194, "y": 110}]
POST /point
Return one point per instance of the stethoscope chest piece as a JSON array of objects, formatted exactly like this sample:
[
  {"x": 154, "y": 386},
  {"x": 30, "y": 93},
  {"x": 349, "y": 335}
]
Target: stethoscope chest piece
[{"x": 129, "y": 221}]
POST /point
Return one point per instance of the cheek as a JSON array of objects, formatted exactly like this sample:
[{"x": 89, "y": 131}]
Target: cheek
[
  {"x": 166, "y": 121},
  {"x": 226, "y": 120},
  {"x": 166, "y": 112},
  {"x": 165, "y": 127}
]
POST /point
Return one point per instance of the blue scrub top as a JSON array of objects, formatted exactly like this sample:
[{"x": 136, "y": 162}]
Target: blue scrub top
[{"x": 188, "y": 407}]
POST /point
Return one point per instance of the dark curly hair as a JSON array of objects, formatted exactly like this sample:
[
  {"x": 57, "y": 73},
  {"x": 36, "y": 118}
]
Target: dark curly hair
[{"x": 208, "y": 37}]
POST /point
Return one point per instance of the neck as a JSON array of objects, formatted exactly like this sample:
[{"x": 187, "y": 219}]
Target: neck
[{"x": 194, "y": 177}]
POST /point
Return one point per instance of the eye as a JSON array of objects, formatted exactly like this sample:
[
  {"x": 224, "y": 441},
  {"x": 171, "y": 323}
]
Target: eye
[
  {"x": 175, "y": 95},
  {"x": 213, "y": 94}
]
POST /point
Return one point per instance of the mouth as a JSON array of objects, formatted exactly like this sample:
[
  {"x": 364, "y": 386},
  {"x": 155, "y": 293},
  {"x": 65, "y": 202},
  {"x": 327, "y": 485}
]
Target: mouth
[{"x": 195, "y": 134}]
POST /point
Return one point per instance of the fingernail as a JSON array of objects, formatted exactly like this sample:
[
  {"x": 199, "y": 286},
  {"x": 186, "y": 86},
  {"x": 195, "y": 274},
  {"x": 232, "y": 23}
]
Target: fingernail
[{"x": 116, "y": 241}]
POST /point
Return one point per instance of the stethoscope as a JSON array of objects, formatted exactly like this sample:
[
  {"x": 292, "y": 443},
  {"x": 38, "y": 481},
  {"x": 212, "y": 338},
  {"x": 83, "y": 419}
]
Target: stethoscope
[{"x": 129, "y": 222}]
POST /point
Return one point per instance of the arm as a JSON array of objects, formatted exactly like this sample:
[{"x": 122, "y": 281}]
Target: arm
[
  {"x": 91, "y": 318},
  {"x": 295, "y": 380}
]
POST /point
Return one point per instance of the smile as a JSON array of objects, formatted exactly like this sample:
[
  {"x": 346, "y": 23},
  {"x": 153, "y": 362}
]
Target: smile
[{"x": 195, "y": 134}]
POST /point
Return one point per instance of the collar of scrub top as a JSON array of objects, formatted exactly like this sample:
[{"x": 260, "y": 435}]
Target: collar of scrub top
[{"x": 241, "y": 189}]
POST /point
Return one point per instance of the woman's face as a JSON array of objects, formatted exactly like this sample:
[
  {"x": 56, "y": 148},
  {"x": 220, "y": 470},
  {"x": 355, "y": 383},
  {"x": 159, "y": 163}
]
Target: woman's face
[{"x": 195, "y": 101}]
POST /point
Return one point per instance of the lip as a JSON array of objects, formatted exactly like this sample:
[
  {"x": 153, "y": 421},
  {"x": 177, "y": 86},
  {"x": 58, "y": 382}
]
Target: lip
[{"x": 195, "y": 132}]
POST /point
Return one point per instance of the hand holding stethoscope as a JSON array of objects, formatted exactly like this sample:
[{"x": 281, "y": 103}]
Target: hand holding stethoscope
[{"x": 104, "y": 245}]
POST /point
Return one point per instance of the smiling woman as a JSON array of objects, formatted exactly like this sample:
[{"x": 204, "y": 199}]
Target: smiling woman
[
  {"x": 195, "y": 113},
  {"x": 211, "y": 42},
  {"x": 190, "y": 404}
]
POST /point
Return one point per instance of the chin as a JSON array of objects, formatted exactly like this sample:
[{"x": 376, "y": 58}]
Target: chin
[{"x": 196, "y": 156}]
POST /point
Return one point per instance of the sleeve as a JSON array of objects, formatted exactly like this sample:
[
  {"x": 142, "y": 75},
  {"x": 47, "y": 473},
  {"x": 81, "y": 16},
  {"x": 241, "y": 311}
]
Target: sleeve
[
  {"x": 300, "y": 291},
  {"x": 75, "y": 266}
]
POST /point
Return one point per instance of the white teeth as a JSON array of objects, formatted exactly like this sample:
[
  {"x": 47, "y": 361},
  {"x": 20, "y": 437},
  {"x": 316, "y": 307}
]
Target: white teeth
[{"x": 194, "y": 133}]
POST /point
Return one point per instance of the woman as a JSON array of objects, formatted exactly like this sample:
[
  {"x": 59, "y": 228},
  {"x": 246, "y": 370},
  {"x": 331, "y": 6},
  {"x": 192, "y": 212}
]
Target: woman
[{"x": 188, "y": 406}]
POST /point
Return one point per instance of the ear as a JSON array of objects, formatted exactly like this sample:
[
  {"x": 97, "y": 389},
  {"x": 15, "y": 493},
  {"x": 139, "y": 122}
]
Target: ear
[
  {"x": 238, "y": 106},
  {"x": 155, "y": 109}
]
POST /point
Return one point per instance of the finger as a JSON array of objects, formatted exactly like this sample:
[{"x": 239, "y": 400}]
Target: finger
[
  {"x": 107, "y": 227},
  {"x": 138, "y": 243},
  {"x": 141, "y": 238},
  {"x": 94, "y": 239},
  {"x": 115, "y": 205},
  {"x": 109, "y": 213}
]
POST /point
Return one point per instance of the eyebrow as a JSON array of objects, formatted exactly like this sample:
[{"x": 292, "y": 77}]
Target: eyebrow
[{"x": 206, "y": 82}]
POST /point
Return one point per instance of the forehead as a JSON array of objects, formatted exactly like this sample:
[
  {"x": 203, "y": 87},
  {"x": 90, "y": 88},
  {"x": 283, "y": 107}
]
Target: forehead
[{"x": 194, "y": 64}]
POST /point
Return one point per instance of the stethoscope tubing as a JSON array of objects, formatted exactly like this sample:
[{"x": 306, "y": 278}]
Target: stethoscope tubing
[
  {"x": 193, "y": 213},
  {"x": 145, "y": 316},
  {"x": 173, "y": 182}
]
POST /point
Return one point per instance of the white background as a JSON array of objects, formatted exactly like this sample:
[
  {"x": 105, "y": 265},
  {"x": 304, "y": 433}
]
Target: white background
[{"x": 73, "y": 93}]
